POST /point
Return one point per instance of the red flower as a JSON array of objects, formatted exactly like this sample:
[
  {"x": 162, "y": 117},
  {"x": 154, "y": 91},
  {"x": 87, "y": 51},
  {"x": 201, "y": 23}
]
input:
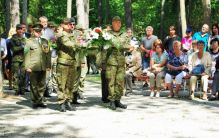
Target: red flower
[{"x": 98, "y": 30}]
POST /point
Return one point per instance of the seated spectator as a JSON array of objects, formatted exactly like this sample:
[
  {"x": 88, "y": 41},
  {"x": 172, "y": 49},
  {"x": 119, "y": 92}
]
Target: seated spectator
[
  {"x": 202, "y": 35},
  {"x": 187, "y": 40},
  {"x": 200, "y": 68},
  {"x": 133, "y": 68},
  {"x": 157, "y": 68},
  {"x": 176, "y": 68},
  {"x": 215, "y": 67},
  {"x": 168, "y": 41}
]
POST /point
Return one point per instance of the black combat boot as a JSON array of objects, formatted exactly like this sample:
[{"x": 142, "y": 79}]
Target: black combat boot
[
  {"x": 120, "y": 105},
  {"x": 62, "y": 107},
  {"x": 42, "y": 105},
  {"x": 75, "y": 99},
  {"x": 70, "y": 107},
  {"x": 112, "y": 105}
]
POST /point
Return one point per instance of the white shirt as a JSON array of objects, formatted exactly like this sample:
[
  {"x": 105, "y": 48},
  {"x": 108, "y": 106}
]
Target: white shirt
[{"x": 3, "y": 46}]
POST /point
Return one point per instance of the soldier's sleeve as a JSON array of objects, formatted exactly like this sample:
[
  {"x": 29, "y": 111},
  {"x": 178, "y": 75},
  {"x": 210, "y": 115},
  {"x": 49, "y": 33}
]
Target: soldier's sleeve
[
  {"x": 16, "y": 48},
  {"x": 69, "y": 44},
  {"x": 27, "y": 56},
  {"x": 126, "y": 42}
]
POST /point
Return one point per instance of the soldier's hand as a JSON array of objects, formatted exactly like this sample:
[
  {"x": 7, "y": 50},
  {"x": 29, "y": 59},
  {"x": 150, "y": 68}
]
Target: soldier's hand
[{"x": 29, "y": 70}]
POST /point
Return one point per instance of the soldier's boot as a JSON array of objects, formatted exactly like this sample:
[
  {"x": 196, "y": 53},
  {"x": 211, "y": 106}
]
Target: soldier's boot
[
  {"x": 112, "y": 105},
  {"x": 70, "y": 107},
  {"x": 120, "y": 105},
  {"x": 62, "y": 107},
  {"x": 47, "y": 92},
  {"x": 75, "y": 99},
  {"x": 42, "y": 105}
]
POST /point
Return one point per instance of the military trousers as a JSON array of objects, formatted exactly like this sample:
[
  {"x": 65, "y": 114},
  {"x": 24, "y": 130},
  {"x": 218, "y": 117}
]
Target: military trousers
[
  {"x": 18, "y": 73},
  {"x": 37, "y": 86},
  {"x": 66, "y": 79},
  {"x": 115, "y": 78}
]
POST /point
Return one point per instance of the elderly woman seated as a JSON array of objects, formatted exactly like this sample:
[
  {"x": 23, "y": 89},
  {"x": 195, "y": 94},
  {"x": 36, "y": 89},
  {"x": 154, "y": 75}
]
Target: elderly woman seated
[
  {"x": 176, "y": 68},
  {"x": 200, "y": 68},
  {"x": 133, "y": 68},
  {"x": 157, "y": 67}
]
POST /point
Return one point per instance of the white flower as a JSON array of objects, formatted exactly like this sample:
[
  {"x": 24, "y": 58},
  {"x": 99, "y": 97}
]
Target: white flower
[
  {"x": 94, "y": 35},
  {"x": 106, "y": 36}
]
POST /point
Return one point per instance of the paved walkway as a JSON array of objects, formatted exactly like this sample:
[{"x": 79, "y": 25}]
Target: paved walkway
[{"x": 145, "y": 117}]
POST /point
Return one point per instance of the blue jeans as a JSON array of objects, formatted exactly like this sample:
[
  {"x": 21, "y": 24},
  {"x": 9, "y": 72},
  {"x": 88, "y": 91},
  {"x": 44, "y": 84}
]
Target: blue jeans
[{"x": 145, "y": 62}]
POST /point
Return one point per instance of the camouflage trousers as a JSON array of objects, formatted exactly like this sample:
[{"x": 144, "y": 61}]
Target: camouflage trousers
[
  {"x": 37, "y": 86},
  {"x": 82, "y": 77},
  {"x": 115, "y": 78},
  {"x": 66, "y": 80},
  {"x": 77, "y": 81},
  {"x": 18, "y": 73}
]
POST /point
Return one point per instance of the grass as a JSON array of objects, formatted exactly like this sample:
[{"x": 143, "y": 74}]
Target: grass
[{"x": 93, "y": 78}]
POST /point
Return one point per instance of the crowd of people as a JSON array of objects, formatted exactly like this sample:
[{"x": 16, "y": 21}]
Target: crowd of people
[
  {"x": 46, "y": 60},
  {"x": 192, "y": 58}
]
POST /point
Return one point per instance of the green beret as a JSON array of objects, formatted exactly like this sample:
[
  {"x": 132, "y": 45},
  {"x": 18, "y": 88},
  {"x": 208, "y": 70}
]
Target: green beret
[
  {"x": 66, "y": 21},
  {"x": 116, "y": 18},
  {"x": 37, "y": 27}
]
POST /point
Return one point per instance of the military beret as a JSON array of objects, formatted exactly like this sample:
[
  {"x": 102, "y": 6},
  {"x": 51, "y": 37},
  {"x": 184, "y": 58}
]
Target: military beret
[
  {"x": 37, "y": 27},
  {"x": 18, "y": 26},
  {"x": 116, "y": 18},
  {"x": 66, "y": 21},
  {"x": 72, "y": 19}
]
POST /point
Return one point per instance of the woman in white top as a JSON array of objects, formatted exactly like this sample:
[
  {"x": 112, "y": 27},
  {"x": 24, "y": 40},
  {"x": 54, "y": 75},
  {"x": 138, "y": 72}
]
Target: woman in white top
[{"x": 3, "y": 50}]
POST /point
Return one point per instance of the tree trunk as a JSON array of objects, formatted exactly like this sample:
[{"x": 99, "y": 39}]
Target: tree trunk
[
  {"x": 128, "y": 13},
  {"x": 24, "y": 12},
  {"x": 86, "y": 11},
  {"x": 183, "y": 16},
  {"x": 108, "y": 17},
  {"x": 162, "y": 20},
  {"x": 207, "y": 11},
  {"x": 7, "y": 15},
  {"x": 69, "y": 7},
  {"x": 100, "y": 12},
  {"x": 83, "y": 13},
  {"x": 15, "y": 13}
]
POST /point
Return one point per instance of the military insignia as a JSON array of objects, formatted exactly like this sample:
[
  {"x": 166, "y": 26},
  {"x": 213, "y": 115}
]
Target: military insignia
[{"x": 45, "y": 47}]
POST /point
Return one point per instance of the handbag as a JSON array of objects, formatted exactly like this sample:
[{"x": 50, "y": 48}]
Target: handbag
[{"x": 198, "y": 69}]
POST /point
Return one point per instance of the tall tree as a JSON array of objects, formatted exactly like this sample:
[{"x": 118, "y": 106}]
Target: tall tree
[
  {"x": 207, "y": 11},
  {"x": 107, "y": 15},
  {"x": 24, "y": 11},
  {"x": 128, "y": 13},
  {"x": 83, "y": 13},
  {"x": 162, "y": 19},
  {"x": 69, "y": 8},
  {"x": 183, "y": 16},
  {"x": 100, "y": 12},
  {"x": 15, "y": 13},
  {"x": 7, "y": 15}
]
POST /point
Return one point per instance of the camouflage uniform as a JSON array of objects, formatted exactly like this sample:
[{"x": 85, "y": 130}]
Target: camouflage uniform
[
  {"x": 66, "y": 71},
  {"x": 38, "y": 60},
  {"x": 18, "y": 71},
  {"x": 115, "y": 68}
]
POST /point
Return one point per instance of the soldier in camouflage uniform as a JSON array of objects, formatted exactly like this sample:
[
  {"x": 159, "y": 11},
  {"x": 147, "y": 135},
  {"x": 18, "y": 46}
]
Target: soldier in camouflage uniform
[
  {"x": 115, "y": 64},
  {"x": 66, "y": 66},
  {"x": 18, "y": 72},
  {"x": 37, "y": 61}
]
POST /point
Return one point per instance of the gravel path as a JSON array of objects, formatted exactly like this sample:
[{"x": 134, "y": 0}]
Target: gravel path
[{"x": 145, "y": 117}]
